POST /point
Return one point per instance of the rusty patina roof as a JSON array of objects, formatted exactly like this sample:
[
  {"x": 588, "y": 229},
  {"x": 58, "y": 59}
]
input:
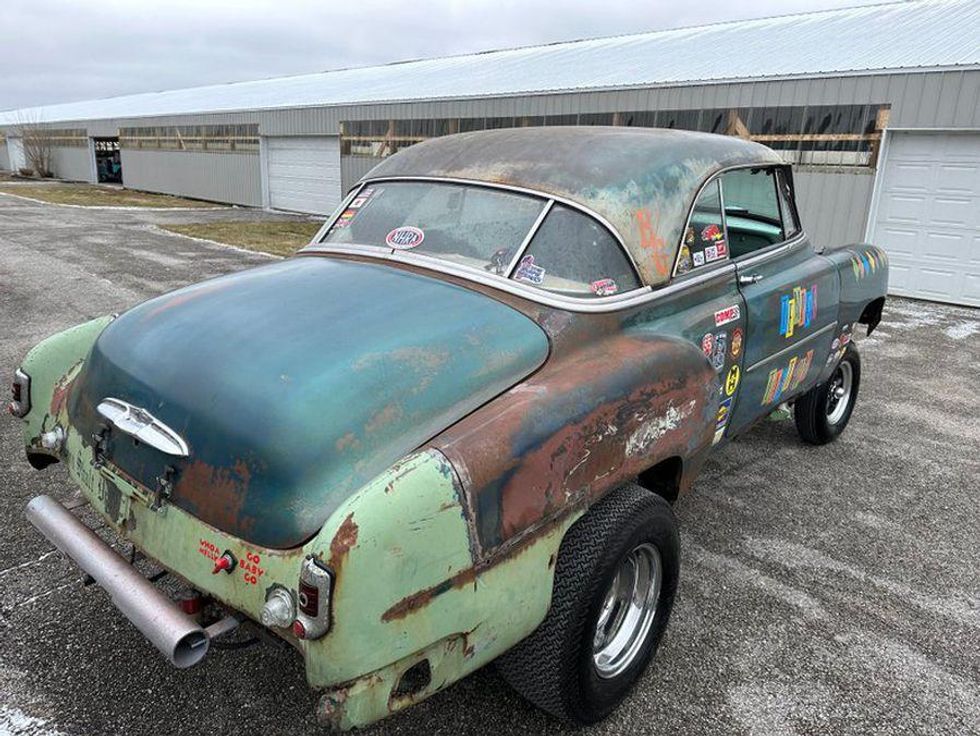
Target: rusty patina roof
[{"x": 641, "y": 180}]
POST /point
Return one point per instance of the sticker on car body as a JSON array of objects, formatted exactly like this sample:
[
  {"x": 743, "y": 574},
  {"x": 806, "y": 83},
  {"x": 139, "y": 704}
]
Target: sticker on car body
[{"x": 728, "y": 314}]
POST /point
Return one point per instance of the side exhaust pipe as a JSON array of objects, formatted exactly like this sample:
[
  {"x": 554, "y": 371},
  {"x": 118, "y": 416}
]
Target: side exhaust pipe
[{"x": 181, "y": 640}]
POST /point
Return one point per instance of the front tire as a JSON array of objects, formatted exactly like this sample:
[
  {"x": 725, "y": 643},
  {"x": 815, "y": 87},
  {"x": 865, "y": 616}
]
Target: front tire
[
  {"x": 615, "y": 580},
  {"x": 823, "y": 412}
]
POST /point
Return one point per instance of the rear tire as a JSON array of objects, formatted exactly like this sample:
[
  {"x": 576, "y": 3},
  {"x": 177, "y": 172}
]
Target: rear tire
[
  {"x": 615, "y": 580},
  {"x": 823, "y": 412}
]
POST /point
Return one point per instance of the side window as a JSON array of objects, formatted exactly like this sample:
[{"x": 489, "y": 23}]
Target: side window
[
  {"x": 752, "y": 213},
  {"x": 704, "y": 237},
  {"x": 574, "y": 255},
  {"x": 790, "y": 222}
]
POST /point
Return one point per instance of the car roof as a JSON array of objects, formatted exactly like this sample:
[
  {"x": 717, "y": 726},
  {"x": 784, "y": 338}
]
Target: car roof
[{"x": 641, "y": 181}]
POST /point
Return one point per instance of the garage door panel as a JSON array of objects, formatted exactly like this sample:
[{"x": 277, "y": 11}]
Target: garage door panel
[
  {"x": 927, "y": 216},
  {"x": 303, "y": 173}
]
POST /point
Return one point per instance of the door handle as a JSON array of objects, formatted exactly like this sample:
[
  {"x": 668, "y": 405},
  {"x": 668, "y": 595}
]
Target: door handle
[{"x": 750, "y": 278}]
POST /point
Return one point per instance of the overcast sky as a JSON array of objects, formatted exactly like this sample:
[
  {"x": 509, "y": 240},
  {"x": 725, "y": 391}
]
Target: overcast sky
[{"x": 64, "y": 50}]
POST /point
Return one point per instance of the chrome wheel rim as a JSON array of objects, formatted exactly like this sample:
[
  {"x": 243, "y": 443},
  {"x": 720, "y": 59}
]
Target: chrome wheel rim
[
  {"x": 628, "y": 610},
  {"x": 839, "y": 393}
]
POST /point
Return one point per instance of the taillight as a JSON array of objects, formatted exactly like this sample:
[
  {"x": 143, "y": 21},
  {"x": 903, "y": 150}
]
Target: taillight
[
  {"x": 20, "y": 390},
  {"x": 313, "y": 617}
]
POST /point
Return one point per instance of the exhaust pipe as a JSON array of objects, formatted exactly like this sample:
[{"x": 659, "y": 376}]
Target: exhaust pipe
[{"x": 183, "y": 642}]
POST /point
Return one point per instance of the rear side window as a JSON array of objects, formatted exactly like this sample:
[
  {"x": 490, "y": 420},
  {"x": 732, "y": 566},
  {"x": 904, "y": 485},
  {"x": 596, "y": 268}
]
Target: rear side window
[
  {"x": 574, "y": 255},
  {"x": 704, "y": 238},
  {"x": 752, "y": 210}
]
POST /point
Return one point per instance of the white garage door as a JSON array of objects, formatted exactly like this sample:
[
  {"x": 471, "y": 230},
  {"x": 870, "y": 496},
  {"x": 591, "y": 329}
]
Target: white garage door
[
  {"x": 304, "y": 174},
  {"x": 928, "y": 216}
]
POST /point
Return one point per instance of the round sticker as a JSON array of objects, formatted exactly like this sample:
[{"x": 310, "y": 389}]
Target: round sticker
[
  {"x": 707, "y": 344},
  {"x": 736, "y": 341},
  {"x": 731, "y": 382},
  {"x": 403, "y": 238}
]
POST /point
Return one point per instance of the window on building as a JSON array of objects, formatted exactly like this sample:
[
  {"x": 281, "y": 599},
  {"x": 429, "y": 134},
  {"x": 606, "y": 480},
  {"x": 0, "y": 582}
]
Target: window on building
[{"x": 574, "y": 255}]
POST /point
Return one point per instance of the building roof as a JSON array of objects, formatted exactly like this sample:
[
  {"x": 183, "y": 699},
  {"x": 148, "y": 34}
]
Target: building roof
[
  {"x": 642, "y": 181},
  {"x": 920, "y": 34}
]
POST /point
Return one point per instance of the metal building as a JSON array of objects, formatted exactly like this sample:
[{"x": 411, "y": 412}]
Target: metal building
[{"x": 878, "y": 107}]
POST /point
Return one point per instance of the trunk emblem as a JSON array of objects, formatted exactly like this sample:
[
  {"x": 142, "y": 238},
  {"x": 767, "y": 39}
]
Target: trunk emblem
[{"x": 142, "y": 425}]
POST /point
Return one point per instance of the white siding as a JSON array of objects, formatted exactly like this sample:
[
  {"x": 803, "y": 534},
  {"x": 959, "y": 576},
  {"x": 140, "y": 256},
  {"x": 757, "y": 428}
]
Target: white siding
[
  {"x": 928, "y": 216},
  {"x": 304, "y": 173}
]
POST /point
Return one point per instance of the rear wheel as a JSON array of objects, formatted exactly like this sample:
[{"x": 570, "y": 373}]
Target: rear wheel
[
  {"x": 615, "y": 580},
  {"x": 823, "y": 412}
]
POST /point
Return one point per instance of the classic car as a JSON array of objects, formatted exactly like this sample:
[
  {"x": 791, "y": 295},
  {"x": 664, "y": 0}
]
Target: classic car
[{"x": 450, "y": 430}]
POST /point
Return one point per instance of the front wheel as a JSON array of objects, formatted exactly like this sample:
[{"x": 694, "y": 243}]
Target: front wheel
[
  {"x": 615, "y": 580},
  {"x": 823, "y": 412}
]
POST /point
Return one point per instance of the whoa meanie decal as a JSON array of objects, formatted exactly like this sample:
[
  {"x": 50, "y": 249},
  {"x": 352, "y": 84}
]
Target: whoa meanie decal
[{"x": 797, "y": 309}]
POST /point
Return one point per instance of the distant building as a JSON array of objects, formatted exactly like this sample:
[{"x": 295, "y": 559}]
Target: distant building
[{"x": 878, "y": 106}]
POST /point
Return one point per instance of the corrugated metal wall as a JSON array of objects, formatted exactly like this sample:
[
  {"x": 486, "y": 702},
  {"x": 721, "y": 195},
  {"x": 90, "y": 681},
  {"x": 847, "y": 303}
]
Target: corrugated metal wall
[
  {"x": 218, "y": 177},
  {"x": 72, "y": 163},
  {"x": 4, "y": 157},
  {"x": 834, "y": 202}
]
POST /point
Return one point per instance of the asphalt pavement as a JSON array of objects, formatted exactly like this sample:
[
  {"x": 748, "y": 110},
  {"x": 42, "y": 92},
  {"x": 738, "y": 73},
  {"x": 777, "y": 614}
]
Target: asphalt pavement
[{"x": 823, "y": 590}]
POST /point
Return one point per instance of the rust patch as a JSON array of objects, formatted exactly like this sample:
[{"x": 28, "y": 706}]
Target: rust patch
[
  {"x": 347, "y": 441},
  {"x": 62, "y": 390},
  {"x": 384, "y": 417},
  {"x": 217, "y": 494},
  {"x": 342, "y": 542},
  {"x": 421, "y": 599},
  {"x": 648, "y": 227}
]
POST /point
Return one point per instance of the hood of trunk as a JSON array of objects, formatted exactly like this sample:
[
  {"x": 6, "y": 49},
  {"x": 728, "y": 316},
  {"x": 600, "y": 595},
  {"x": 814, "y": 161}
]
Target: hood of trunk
[{"x": 296, "y": 383}]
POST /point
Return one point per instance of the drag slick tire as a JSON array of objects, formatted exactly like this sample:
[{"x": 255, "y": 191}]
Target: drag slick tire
[
  {"x": 823, "y": 412},
  {"x": 615, "y": 580}
]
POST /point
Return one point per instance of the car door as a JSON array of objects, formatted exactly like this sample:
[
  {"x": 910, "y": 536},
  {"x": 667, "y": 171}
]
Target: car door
[{"x": 790, "y": 292}]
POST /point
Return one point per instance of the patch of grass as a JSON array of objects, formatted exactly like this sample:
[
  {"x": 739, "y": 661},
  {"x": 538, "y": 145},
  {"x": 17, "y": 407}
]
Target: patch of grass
[
  {"x": 90, "y": 195},
  {"x": 281, "y": 238}
]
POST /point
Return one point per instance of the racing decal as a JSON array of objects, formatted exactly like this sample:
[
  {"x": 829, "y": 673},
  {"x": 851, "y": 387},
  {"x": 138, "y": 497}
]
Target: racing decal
[
  {"x": 712, "y": 233},
  {"x": 726, "y": 315},
  {"x": 731, "y": 383},
  {"x": 724, "y": 409},
  {"x": 708, "y": 344},
  {"x": 684, "y": 263},
  {"x": 602, "y": 287},
  {"x": 797, "y": 309},
  {"x": 782, "y": 380},
  {"x": 357, "y": 203},
  {"x": 867, "y": 262},
  {"x": 736, "y": 342},
  {"x": 719, "y": 350},
  {"x": 405, "y": 237},
  {"x": 721, "y": 249},
  {"x": 345, "y": 218},
  {"x": 711, "y": 253},
  {"x": 250, "y": 569},
  {"x": 528, "y": 271},
  {"x": 698, "y": 259}
]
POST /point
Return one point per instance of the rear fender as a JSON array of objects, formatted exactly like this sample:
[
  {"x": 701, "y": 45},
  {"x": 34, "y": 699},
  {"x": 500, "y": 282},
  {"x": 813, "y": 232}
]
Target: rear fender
[
  {"x": 53, "y": 364},
  {"x": 863, "y": 270},
  {"x": 584, "y": 424}
]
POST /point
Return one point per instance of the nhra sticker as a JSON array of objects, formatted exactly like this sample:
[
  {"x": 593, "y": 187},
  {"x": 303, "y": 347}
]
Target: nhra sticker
[
  {"x": 604, "y": 287},
  {"x": 729, "y": 314},
  {"x": 404, "y": 238},
  {"x": 528, "y": 271}
]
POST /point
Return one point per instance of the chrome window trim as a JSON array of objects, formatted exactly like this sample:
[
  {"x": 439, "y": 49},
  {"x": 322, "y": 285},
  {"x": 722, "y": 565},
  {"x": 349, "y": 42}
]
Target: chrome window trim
[
  {"x": 535, "y": 226},
  {"x": 794, "y": 346},
  {"x": 325, "y": 228},
  {"x": 773, "y": 251}
]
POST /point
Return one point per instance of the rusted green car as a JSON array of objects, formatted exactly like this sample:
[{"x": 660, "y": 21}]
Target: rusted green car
[{"x": 450, "y": 430}]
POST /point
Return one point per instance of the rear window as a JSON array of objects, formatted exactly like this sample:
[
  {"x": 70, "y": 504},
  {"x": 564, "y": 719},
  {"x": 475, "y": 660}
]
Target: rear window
[
  {"x": 471, "y": 226},
  {"x": 570, "y": 252}
]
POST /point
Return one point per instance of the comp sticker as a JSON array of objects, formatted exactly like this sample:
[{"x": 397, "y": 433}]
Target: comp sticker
[{"x": 404, "y": 238}]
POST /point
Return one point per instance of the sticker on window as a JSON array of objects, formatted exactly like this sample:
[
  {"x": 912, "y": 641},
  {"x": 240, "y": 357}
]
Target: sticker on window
[
  {"x": 712, "y": 233},
  {"x": 404, "y": 238},
  {"x": 604, "y": 287},
  {"x": 345, "y": 218},
  {"x": 528, "y": 271}
]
